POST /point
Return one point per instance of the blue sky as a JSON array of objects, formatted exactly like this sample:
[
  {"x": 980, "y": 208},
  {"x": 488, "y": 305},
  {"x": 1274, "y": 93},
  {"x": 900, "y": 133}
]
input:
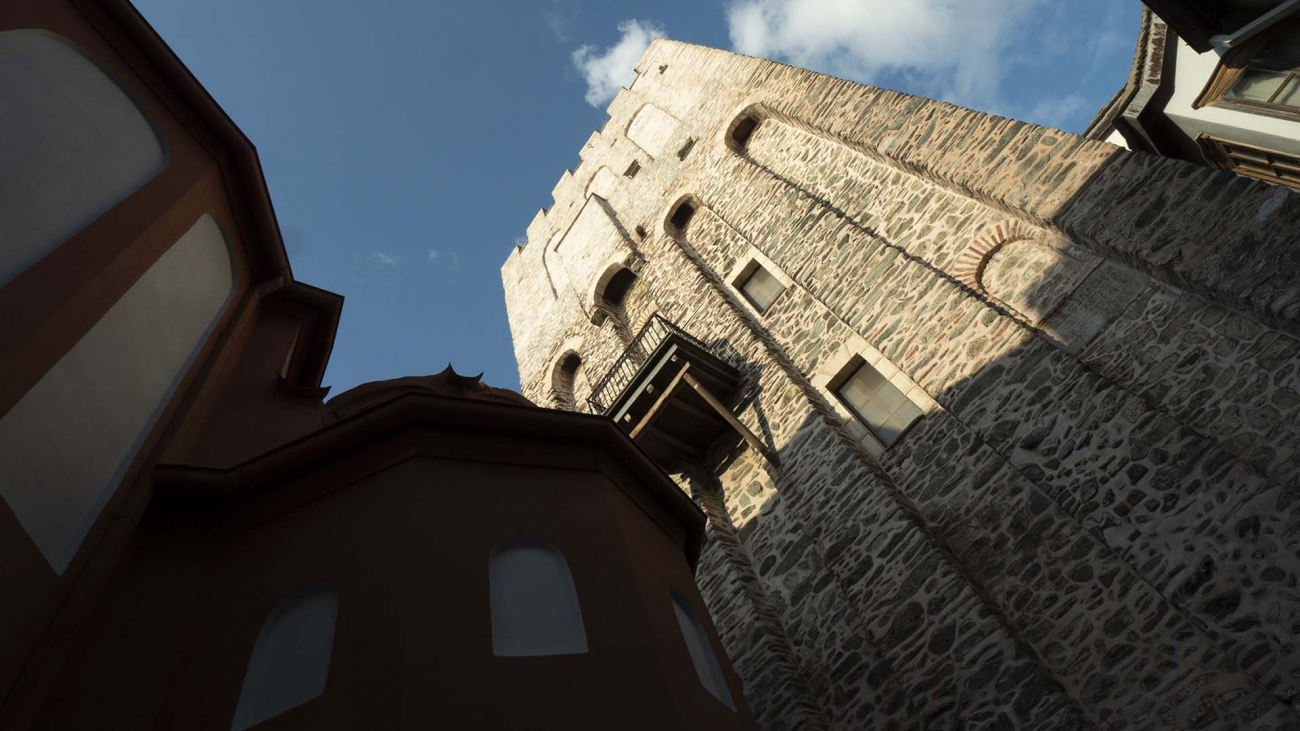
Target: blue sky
[{"x": 408, "y": 143}]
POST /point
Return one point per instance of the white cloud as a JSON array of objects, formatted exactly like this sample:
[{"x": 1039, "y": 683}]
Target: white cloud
[
  {"x": 386, "y": 258},
  {"x": 1056, "y": 112},
  {"x": 606, "y": 71},
  {"x": 950, "y": 49},
  {"x": 434, "y": 254}
]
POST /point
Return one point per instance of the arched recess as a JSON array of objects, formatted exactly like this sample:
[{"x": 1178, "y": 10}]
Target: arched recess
[
  {"x": 743, "y": 124},
  {"x": 291, "y": 658},
  {"x": 603, "y": 183},
  {"x": 103, "y": 397},
  {"x": 1010, "y": 263},
  {"x": 564, "y": 375},
  {"x": 680, "y": 214},
  {"x": 651, "y": 128},
  {"x": 608, "y": 299},
  {"x": 535, "y": 607},
  {"x": 74, "y": 144}
]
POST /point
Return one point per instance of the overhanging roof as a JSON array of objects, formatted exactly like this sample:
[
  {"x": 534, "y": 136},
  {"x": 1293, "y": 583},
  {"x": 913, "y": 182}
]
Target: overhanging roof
[{"x": 267, "y": 253}]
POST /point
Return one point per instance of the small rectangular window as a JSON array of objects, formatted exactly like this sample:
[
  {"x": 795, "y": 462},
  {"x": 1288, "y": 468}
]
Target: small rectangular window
[
  {"x": 761, "y": 288},
  {"x": 632, "y": 169},
  {"x": 877, "y": 403},
  {"x": 686, "y": 149}
]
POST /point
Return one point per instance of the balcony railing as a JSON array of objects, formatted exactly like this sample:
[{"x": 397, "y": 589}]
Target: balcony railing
[{"x": 625, "y": 369}]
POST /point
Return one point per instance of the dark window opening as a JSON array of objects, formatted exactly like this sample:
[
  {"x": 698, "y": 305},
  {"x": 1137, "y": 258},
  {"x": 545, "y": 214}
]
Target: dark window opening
[
  {"x": 571, "y": 363},
  {"x": 640, "y": 232},
  {"x": 761, "y": 288},
  {"x": 632, "y": 169},
  {"x": 663, "y": 68},
  {"x": 682, "y": 216},
  {"x": 686, "y": 149},
  {"x": 618, "y": 286},
  {"x": 743, "y": 131}
]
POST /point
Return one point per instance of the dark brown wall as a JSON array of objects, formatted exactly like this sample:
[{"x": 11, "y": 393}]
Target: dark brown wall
[
  {"x": 407, "y": 548},
  {"x": 49, "y": 307},
  {"x": 255, "y": 413}
]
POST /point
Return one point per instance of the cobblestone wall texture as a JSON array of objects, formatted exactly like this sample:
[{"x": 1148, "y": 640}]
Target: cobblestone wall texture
[{"x": 1095, "y": 524}]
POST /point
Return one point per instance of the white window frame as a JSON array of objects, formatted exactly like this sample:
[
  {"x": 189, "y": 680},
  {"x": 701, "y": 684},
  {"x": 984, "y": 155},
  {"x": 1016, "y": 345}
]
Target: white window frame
[
  {"x": 744, "y": 268},
  {"x": 833, "y": 371}
]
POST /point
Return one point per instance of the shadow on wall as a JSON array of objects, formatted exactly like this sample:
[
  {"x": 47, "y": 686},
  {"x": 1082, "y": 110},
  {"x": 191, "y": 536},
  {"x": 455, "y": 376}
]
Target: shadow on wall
[{"x": 1071, "y": 496}]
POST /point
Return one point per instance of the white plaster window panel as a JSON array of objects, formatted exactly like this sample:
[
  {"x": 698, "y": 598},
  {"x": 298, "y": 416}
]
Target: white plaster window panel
[
  {"x": 73, "y": 144},
  {"x": 905, "y": 400},
  {"x": 534, "y": 604},
  {"x": 758, "y": 281},
  {"x": 700, "y": 649},
  {"x": 291, "y": 659},
  {"x": 103, "y": 397}
]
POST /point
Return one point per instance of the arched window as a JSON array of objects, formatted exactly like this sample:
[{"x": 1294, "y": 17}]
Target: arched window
[
  {"x": 651, "y": 129},
  {"x": 291, "y": 659},
  {"x": 700, "y": 648},
  {"x": 681, "y": 216},
  {"x": 102, "y": 398},
  {"x": 741, "y": 130},
  {"x": 617, "y": 286},
  {"x": 562, "y": 381},
  {"x": 534, "y": 605},
  {"x": 74, "y": 145}
]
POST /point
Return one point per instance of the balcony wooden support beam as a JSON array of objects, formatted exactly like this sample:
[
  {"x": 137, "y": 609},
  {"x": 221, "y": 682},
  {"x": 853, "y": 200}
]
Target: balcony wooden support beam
[
  {"x": 659, "y": 402},
  {"x": 730, "y": 418},
  {"x": 688, "y": 449}
]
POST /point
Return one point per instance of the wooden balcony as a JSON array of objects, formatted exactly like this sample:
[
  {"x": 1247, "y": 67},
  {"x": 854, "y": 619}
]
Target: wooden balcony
[{"x": 671, "y": 394}]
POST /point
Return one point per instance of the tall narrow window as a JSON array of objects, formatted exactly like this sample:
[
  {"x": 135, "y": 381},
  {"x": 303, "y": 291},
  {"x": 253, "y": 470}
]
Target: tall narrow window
[
  {"x": 876, "y": 402},
  {"x": 562, "y": 382},
  {"x": 291, "y": 660},
  {"x": 761, "y": 288},
  {"x": 701, "y": 650},
  {"x": 74, "y": 144},
  {"x": 534, "y": 605}
]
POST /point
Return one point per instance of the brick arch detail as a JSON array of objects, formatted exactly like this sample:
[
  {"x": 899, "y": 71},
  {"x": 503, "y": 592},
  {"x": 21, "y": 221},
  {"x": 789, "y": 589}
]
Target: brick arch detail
[{"x": 968, "y": 268}]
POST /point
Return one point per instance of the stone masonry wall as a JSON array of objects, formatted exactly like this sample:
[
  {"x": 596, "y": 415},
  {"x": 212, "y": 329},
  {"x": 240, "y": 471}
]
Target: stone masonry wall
[{"x": 1095, "y": 523}]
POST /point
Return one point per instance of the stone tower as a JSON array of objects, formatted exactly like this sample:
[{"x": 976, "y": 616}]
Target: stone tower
[{"x": 994, "y": 426}]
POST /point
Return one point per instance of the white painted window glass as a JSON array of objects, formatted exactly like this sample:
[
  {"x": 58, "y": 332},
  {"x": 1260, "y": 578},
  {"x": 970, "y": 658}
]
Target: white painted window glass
[
  {"x": 884, "y": 409},
  {"x": 534, "y": 605},
  {"x": 291, "y": 660},
  {"x": 701, "y": 650},
  {"x": 651, "y": 129},
  {"x": 72, "y": 144},
  {"x": 761, "y": 288},
  {"x": 66, "y": 444}
]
